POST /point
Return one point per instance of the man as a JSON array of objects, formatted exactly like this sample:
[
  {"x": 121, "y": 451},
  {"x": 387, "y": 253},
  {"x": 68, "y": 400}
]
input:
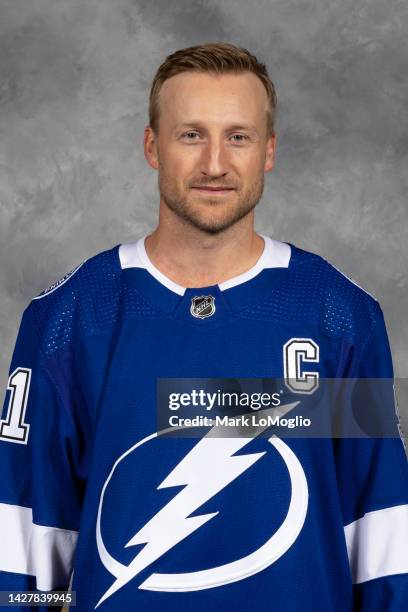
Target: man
[{"x": 152, "y": 522}]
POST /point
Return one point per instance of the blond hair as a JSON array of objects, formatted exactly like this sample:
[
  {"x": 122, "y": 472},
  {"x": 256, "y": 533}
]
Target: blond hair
[{"x": 218, "y": 58}]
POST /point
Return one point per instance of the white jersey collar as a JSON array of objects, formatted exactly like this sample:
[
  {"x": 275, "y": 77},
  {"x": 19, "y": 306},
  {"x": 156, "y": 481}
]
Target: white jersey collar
[{"x": 275, "y": 254}]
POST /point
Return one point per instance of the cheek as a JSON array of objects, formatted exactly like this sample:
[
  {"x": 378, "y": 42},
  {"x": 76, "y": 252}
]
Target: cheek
[
  {"x": 179, "y": 164},
  {"x": 248, "y": 163}
]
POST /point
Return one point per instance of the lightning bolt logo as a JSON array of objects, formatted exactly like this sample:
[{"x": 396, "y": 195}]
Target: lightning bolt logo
[{"x": 207, "y": 469}]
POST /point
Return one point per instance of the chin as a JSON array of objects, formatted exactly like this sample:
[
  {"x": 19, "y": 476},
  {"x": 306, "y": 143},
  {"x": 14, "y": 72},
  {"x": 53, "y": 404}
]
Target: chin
[{"x": 213, "y": 225}]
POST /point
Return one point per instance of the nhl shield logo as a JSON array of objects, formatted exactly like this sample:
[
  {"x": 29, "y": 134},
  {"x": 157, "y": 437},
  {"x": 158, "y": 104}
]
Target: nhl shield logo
[{"x": 202, "y": 306}]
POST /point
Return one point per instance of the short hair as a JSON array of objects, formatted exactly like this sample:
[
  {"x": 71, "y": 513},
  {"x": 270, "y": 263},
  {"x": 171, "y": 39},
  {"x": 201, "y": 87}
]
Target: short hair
[{"x": 218, "y": 58}]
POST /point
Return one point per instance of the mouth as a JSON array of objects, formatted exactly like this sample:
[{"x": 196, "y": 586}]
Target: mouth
[{"x": 217, "y": 191}]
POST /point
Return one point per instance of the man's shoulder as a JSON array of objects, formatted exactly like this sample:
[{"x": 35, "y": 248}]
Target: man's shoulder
[
  {"x": 322, "y": 271},
  {"x": 343, "y": 307},
  {"x": 84, "y": 276},
  {"x": 82, "y": 298}
]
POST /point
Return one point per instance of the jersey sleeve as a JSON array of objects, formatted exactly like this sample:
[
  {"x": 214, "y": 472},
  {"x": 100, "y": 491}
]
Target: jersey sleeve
[
  {"x": 373, "y": 486},
  {"x": 41, "y": 482}
]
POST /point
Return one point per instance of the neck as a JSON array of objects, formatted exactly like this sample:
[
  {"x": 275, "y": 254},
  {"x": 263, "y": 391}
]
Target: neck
[{"x": 192, "y": 258}]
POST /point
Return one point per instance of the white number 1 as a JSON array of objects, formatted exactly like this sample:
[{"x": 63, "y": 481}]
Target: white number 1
[{"x": 13, "y": 428}]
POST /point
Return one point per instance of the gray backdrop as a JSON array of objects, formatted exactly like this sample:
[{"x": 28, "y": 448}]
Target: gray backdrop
[{"x": 74, "y": 81}]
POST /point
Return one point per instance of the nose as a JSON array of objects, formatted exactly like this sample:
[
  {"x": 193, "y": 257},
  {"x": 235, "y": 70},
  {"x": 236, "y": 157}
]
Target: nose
[{"x": 214, "y": 159}]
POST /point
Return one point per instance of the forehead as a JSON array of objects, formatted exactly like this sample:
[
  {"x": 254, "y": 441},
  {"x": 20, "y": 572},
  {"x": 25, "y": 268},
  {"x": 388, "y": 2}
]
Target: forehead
[{"x": 205, "y": 96}]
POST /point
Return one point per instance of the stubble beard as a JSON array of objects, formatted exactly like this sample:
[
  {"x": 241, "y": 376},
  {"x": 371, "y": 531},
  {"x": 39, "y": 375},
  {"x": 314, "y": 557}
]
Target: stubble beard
[{"x": 184, "y": 206}]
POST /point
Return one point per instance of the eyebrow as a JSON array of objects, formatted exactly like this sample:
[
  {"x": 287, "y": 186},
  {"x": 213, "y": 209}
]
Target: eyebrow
[{"x": 231, "y": 128}]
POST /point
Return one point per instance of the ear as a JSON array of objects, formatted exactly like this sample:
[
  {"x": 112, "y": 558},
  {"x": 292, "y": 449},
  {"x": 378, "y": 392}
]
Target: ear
[
  {"x": 270, "y": 153},
  {"x": 150, "y": 147}
]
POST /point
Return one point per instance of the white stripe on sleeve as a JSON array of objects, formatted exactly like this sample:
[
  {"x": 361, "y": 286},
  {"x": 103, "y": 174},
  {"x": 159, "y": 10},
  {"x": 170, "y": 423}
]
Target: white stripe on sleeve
[
  {"x": 377, "y": 544},
  {"x": 37, "y": 550}
]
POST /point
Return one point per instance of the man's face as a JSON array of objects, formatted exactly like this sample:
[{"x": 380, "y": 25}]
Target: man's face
[{"x": 212, "y": 148}]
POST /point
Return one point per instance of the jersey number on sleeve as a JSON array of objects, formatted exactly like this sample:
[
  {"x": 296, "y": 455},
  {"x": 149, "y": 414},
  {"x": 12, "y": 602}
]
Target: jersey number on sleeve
[{"x": 13, "y": 428}]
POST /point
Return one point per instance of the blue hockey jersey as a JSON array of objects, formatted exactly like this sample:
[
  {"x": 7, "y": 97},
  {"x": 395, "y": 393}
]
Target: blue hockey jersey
[{"x": 147, "y": 522}]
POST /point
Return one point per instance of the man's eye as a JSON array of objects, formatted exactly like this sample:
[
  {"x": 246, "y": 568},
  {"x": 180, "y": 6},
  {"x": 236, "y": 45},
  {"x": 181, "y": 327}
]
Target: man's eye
[
  {"x": 239, "y": 138},
  {"x": 191, "y": 135}
]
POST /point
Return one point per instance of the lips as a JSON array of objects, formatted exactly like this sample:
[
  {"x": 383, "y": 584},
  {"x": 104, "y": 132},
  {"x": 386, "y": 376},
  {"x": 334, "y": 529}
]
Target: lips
[{"x": 220, "y": 188}]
